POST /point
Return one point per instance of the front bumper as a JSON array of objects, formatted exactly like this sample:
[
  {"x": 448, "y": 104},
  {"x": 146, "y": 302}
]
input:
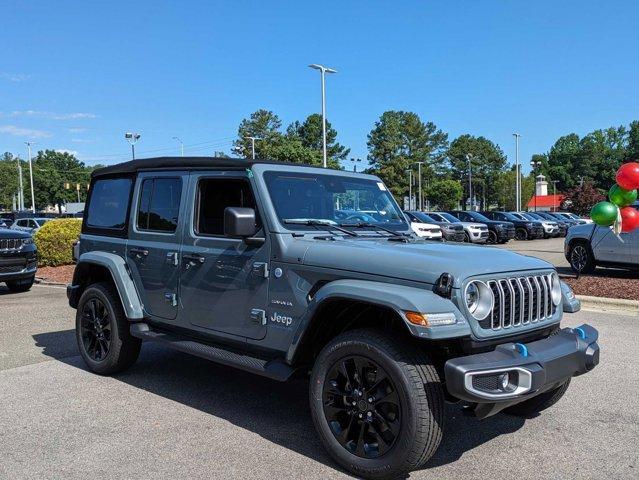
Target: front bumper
[
  {"x": 454, "y": 236},
  {"x": 532, "y": 368},
  {"x": 18, "y": 265},
  {"x": 505, "y": 234}
]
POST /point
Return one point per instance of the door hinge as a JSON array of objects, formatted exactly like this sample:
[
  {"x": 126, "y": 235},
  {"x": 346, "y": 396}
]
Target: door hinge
[
  {"x": 171, "y": 298},
  {"x": 260, "y": 269},
  {"x": 258, "y": 316}
]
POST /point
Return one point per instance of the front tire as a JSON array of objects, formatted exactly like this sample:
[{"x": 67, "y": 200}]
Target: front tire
[
  {"x": 377, "y": 404},
  {"x": 541, "y": 402},
  {"x": 466, "y": 237},
  {"x": 492, "y": 237},
  {"x": 18, "y": 286},
  {"x": 102, "y": 331},
  {"x": 581, "y": 258},
  {"x": 521, "y": 234}
]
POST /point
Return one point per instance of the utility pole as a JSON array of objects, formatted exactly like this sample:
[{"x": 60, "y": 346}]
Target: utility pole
[
  {"x": 419, "y": 173},
  {"x": 554, "y": 194},
  {"x": 28, "y": 144},
  {"x": 181, "y": 144},
  {"x": 470, "y": 181},
  {"x": 410, "y": 189},
  {"x": 517, "y": 176},
  {"x": 323, "y": 71},
  {"x": 252, "y": 139},
  {"x": 132, "y": 138}
]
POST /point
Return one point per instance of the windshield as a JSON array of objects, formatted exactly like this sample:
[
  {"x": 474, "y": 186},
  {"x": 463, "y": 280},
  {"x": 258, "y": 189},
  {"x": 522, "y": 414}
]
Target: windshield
[
  {"x": 447, "y": 217},
  {"x": 41, "y": 221},
  {"x": 439, "y": 217},
  {"x": 519, "y": 216},
  {"x": 332, "y": 199},
  {"x": 424, "y": 218},
  {"x": 512, "y": 216},
  {"x": 478, "y": 216}
]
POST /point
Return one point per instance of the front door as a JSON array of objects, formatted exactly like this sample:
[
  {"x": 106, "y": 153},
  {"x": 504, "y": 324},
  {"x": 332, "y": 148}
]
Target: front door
[
  {"x": 154, "y": 241},
  {"x": 223, "y": 281}
]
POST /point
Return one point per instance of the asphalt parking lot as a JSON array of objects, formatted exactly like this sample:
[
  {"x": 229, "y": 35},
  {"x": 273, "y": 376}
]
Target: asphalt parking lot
[
  {"x": 175, "y": 416},
  {"x": 548, "y": 249}
]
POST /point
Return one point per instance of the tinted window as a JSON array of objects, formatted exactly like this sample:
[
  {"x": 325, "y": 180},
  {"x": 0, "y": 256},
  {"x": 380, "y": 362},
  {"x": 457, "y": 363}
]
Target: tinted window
[
  {"x": 214, "y": 195},
  {"x": 159, "y": 204},
  {"x": 109, "y": 203}
]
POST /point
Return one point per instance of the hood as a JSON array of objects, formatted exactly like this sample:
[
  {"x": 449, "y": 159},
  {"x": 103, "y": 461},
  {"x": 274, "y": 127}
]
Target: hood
[
  {"x": 7, "y": 233},
  {"x": 420, "y": 261}
]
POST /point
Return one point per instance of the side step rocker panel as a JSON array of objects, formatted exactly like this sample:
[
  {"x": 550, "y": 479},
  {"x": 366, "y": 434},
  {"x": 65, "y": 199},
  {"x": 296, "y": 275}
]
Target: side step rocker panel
[{"x": 275, "y": 369}]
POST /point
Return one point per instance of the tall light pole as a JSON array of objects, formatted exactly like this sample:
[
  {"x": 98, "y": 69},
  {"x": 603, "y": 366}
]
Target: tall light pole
[
  {"x": 354, "y": 162},
  {"x": 517, "y": 177},
  {"x": 470, "y": 181},
  {"x": 20, "y": 187},
  {"x": 535, "y": 164},
  {"x": 252, "y": 139},
  {"x": 554, "y": 194},
  {"x": 410, "y": 188},
  {"x": 323, "y": 71},
  {"x": 181, "y": 144},
  {"x": 132, "y": 138},
  {"x": 28, "y": 144},
  {"x": 419, "y": 182}
]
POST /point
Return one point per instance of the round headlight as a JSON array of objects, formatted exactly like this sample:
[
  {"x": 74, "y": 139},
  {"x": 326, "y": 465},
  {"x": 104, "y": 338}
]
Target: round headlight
[
  {"x": 479, "y": 299},
  {"x": 555, "y": 288}
]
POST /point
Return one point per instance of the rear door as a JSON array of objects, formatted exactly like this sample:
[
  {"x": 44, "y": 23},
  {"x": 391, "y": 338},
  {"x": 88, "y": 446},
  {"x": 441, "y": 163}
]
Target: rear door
[{"x": 153, "y": 247}]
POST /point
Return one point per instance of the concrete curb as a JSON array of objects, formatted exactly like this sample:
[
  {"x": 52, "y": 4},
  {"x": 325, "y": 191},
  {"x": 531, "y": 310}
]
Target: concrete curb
[
  {"x": 609, "y": 304},
  {"x": 43, "y": 281}
]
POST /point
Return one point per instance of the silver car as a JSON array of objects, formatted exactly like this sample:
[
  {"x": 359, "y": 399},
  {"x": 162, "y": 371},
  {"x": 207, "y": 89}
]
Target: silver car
[
  {"x": 588, "y": 246},
  {"x": 475, "y": 232},
  {"x": 31, "y": 225}
]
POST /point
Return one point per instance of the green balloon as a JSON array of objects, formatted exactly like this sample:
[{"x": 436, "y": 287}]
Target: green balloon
[
  {"x": 621, "y": 197},
  {"x": 604, "y": 213}
]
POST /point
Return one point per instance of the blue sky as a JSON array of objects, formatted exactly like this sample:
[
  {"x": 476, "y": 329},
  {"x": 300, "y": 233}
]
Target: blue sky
[{"x": 77, "y": 75}]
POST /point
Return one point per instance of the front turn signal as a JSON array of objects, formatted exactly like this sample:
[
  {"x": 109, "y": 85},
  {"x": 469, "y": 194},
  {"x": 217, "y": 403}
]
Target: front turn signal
[{"x": 431, "y": 319}]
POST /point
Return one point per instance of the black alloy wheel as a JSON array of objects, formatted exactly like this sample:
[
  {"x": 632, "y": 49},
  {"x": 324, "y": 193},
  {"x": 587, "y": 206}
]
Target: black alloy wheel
[
  {"x": 521, "y": 234},
  {"x": 361, "y": 406},
  {"x": 95, "y": 329},
  {"x": 581, "y": 259},
  {"x": 492, "y": 237}
]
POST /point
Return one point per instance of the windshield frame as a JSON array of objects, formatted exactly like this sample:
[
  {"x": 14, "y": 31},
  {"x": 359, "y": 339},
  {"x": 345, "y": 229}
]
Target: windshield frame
[{"x": 275, "y": 221}]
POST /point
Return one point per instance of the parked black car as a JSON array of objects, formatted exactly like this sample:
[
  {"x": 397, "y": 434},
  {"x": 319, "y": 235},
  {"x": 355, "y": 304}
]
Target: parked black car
[
  {"x": 18, "y": 260},
  {"x": 545, "y": 217},
  {"x": 498, "y": 232},
  {"x": 557, "y": 217},
  {"x": 452, "y": 232},
  {"x": 524, "y": 230}
]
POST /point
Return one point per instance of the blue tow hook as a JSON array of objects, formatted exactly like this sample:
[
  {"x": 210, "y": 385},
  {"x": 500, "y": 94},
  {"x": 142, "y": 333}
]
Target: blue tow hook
[
  {"x": 580, "y": 331},
  {"x": 522, "y": 349}
]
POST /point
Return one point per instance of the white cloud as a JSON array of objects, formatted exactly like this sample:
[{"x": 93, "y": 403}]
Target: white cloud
[
  {"x": 50, "y": 115},
  {"x": 14, "y": 77},
  {"x": 70, "y": 152},
  {"x": 76, "y": 130},
  {"x": 24, "y": 132},
  {"x": 81, "y": 140}
]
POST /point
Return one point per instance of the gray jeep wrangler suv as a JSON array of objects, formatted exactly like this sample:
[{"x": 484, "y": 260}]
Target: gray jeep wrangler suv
[{"x": 271, "y": 268}]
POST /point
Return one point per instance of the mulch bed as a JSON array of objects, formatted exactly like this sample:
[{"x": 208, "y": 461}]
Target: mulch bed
[
  {"x": 63, "y": 274},
  {"x": 625, "y": 285}
]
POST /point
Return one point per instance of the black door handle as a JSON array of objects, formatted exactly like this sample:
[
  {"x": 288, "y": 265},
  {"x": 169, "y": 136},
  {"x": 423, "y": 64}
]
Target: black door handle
[
  {"x": 139, "y": 252},
  {"x": 193, "y": 259}
]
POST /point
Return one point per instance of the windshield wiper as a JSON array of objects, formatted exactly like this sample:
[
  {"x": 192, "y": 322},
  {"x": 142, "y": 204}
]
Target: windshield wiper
[
  {"x": 327, "y": 225},
  {"x": 374, "y": 225}
]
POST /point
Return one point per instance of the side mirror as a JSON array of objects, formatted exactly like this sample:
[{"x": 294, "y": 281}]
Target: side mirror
[{"x": 239, "y": 222}]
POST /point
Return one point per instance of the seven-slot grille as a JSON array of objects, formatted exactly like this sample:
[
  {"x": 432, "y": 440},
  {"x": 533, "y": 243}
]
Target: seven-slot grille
[
  {"x": 10, "y": 243},
  {"x": 519, "y": 301}
]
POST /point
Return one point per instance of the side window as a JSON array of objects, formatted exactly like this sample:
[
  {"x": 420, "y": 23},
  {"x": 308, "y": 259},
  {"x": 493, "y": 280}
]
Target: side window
[
  {"x": 109, "y": 203},
  {"x": 464, "y": 217},
  {"x": 159, "y": 204},
  {"x": 21, "y": 223},
  {"x": 213, "y": 196}
]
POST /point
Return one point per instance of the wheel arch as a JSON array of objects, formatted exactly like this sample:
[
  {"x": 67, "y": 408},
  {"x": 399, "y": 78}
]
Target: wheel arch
[{"x": 94, "y": 267}]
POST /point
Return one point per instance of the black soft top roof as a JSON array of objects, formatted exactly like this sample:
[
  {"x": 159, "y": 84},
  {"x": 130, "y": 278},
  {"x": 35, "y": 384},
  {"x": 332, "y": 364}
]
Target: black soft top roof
[{"x": 133, "y": 166}]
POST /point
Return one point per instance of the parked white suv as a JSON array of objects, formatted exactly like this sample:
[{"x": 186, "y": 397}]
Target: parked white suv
[
  {"x": 475, "y": 232},
  {"x": 429, "y": 231}
]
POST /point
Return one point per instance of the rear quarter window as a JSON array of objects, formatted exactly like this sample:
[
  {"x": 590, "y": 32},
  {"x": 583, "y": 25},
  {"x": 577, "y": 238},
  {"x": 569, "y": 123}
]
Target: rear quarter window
[{"x": 109, "y": 204}]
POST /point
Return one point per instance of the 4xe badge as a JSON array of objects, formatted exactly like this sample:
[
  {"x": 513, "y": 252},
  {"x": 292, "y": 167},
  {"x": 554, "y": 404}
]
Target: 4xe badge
[{"x": 281, "y": 319}]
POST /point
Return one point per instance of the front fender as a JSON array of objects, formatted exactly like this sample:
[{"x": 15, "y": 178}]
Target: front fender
[
  {"x": 399, "y": 298},
  {"x": 116, "y": 266}
]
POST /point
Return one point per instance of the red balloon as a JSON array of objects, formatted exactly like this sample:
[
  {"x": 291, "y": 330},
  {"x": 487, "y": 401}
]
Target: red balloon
[
  {"x": 629, "y": 219},
  {"x": 628, "y": 176}
]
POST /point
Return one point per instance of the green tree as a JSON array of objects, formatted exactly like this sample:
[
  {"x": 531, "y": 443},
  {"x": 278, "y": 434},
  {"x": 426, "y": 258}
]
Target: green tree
[
  {"x": 603, "y": 151},
  {"x": 9, "y": 179},
  {"x": 487, "y": 161},
  {"x": 445, "y": 194},
  {"x": 263, "y": 124},
  {"x": 309, "y": 133},
  {"x": 504, "y": 190},
  {"x": 581, "y": 198},
  {"x": 51, "y": 171},
  {"x": 632, "y": 150},
  {"x": 397, "y": 141},
  {"x": 563, "y": 161}
]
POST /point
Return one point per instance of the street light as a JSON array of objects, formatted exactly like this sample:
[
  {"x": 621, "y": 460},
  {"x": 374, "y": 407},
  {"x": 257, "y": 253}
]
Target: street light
[
  {"x": 554, "y": 194},
  {"x": 252, "y": 139},
  {"x": 517, "y": 179},
  {"x": 132, "y": 138},
  {"x": 419, "y": 182},
  {"x": 353, "y": 161},
  {"x": 535, "y": 164},
  {"x": 28, "y": 144},
  {"x": 470, "y": 181},
  {"x": 410, "y": 188},
  {"x": 181, "y": 144},
  {"x": 20, "y": 186},
  {"x": 323, "y": 70}
]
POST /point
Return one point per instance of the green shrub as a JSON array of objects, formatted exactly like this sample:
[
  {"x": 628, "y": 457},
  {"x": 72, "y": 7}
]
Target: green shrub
[{"x": 55, "y": 241}]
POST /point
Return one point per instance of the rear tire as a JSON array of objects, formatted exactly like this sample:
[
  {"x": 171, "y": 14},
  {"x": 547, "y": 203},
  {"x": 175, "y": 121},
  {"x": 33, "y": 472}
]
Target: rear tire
[
  {"x": 492, "y": 237},
  {"x": 407, "y": 408},
  {"x": 581, "y": 258},
  {"x": 521, "y": 234},
  {"x": 18, "y": 286},
  {"x": 102, "y": 331},
  {"x": 539, "y": 403}
]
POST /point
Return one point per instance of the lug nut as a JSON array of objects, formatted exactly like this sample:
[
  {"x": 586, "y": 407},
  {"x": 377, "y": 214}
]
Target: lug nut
[
  {"x": 354, "y": 403},
  {"x": 360, "y": 415},
  {"x": 370, "y": 399},
  {"x": 369, "y": 414}
]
